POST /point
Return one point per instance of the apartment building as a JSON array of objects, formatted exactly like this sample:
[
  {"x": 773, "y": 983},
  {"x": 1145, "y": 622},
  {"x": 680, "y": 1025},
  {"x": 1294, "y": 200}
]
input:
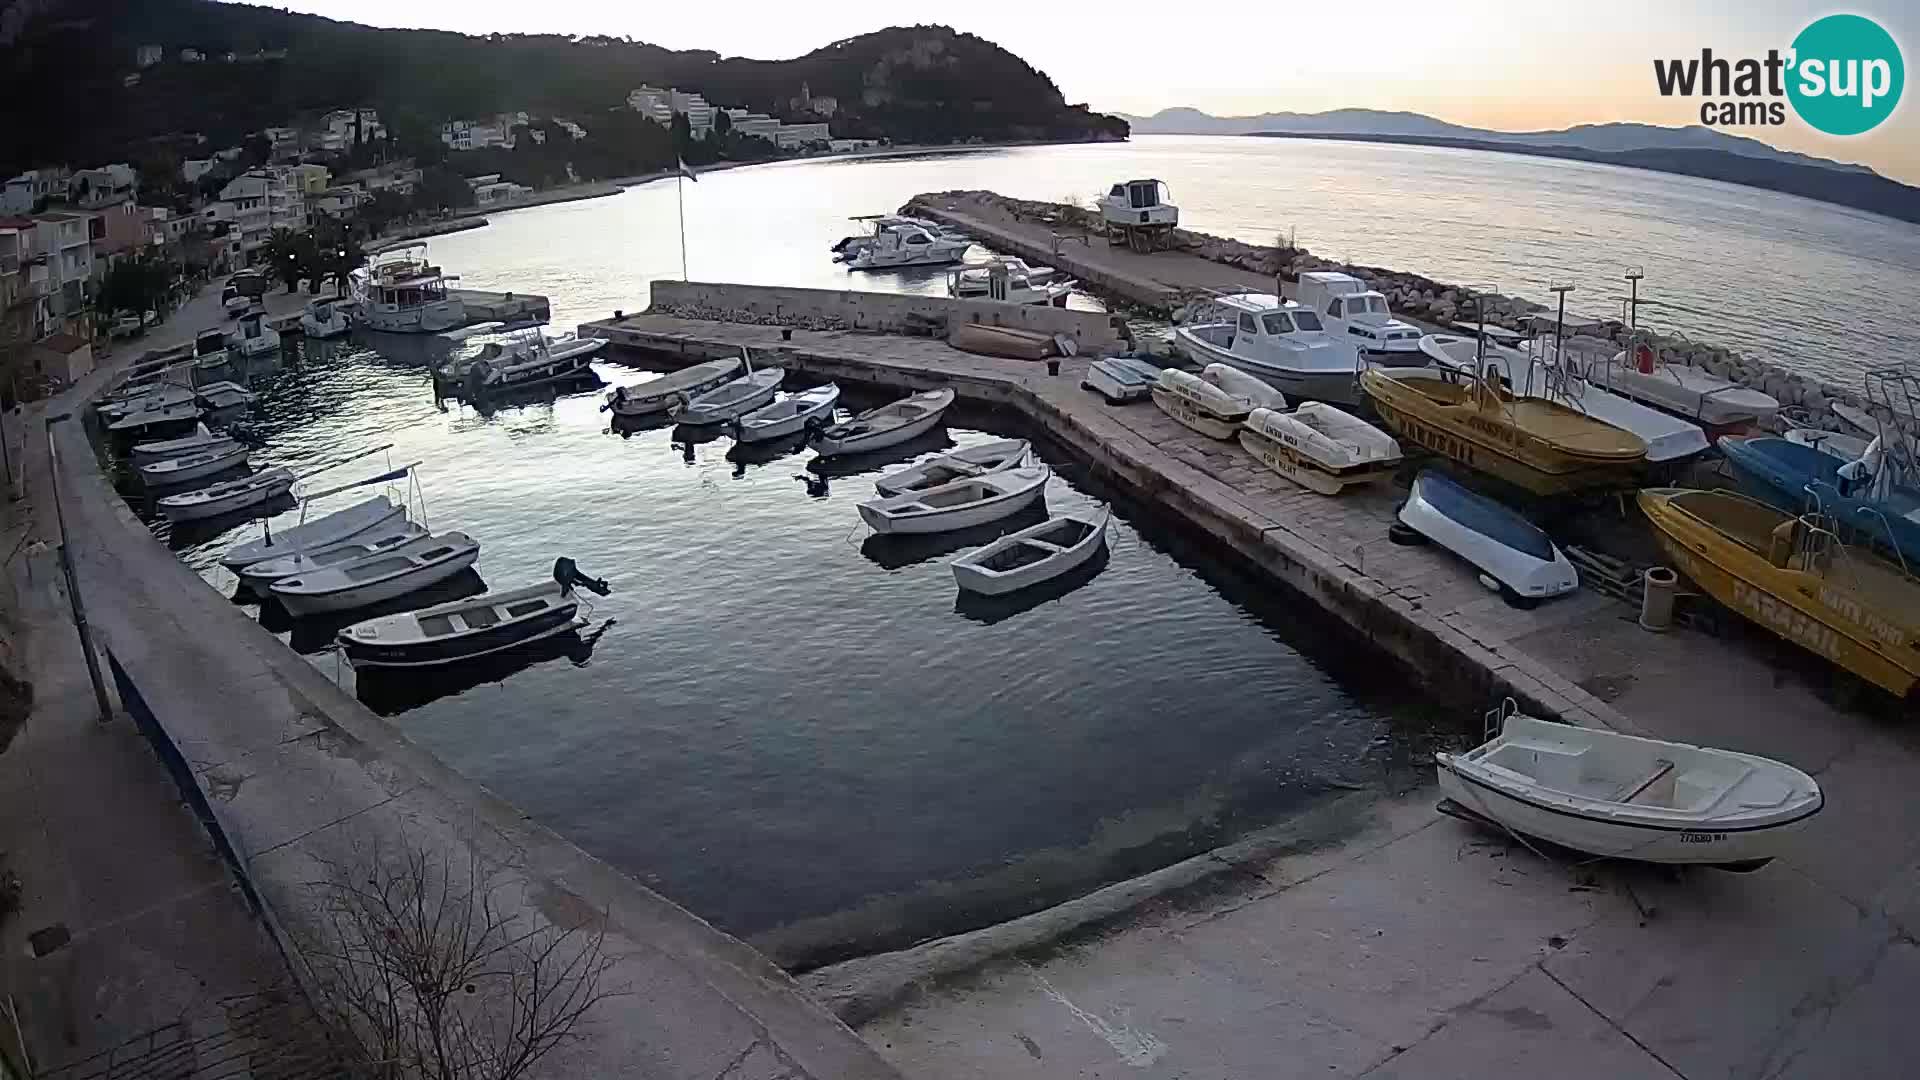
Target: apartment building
[
  {"x": 64, "y": 240},
  {"x": 258, "y": 202}
]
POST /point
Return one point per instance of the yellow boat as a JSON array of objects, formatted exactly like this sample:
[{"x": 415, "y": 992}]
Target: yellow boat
[
  {"x": 1792, "y": 576},
  {"x": 1546, "y": 448}
]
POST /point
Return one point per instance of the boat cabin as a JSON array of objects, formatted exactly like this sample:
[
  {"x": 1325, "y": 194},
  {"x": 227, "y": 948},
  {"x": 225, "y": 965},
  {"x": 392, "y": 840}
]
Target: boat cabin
[
  {"x": 1139, "y": 202},
  {"x": 1351, "y": 309},
  {"x": 1266, "y": 330}
]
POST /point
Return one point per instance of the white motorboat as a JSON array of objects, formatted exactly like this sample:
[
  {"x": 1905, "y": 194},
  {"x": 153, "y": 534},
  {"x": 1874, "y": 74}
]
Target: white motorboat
[
  {"x": 158, "y": 396},
  {"x": 1121, "y": 379},
  {"x": 889, "y": 425},
  {"x": 730, "y": 399},
  {"x": 478, "y": 626},
  {"x": 959, "y": 505},
  {"x": 378, "y": 577},
  {"x": 988, "y": 457},
  {"x": 210, "y": 348},
  {"x": 1276, "y": 340},
  {"x": 1136, "y": 203},
  {"x": 324, "y": 318},
  {"x": 155, "y": 415},
  {"x": 796, "y": 412},
  {"x": 1349, "y": 309},
  {"x": 158, "y": 449},
  {"x": 1512, "y": 553},
  {"x": 1009, "y": 280},
  {"x": 1627, "y": 797},
  {"x": 1199, "y": 404},
  {"x": 1032, "y": 555},
  {"x": 362, "y": 517},
  {"x": 224, "y": 394},
  {"x": 227, "y": 497},
  {"x": 1320, "y": 447},
  {"x": 379, "y": 541},
  {"x": 529, "y": 359},
  {"x": 214, "y": 458},
  {"x": 1242, "y": 385},
  {"x": 403, "y": 293},
  {"x": 1692, "y": 392},
  {"x": 661, "y": 394},
  {"x": 899, "y": 242},
  {"x": 253, "y": 337}
]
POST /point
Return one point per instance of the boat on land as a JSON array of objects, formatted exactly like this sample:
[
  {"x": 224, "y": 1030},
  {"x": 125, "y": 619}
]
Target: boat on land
[
  {"x": 158, "y": 449},
  {"x": 1692, "y": 392},
  {"x": 1320, "y": 447},
  {"x": 1835, "y": 444},
  {"x": 1540, "y": 446},
  {"x": 803, "y": 410},
  {"x": 1136, "y": 213},
  {"x": 1794, "y": 576},
  {"x": 1010, "y": 342},
  {"x": 1199, "y": 404},
  {"x": 324, "y": 318},
  {"x": 227, "y": 497},
  {"x": 888, "y": 425},
  {"x": 897, "y": 242},
  {"x": 1512, "y": 553},
  {"x": 988, "y": 457},
  {"x": 337, "y": 527},
  {"x": 659, "y": 395},
  {"x": 477, "y": 626},
  {"x": 1240, "y": 384},
  {"x": 253, "y": 337},
  {"x": 1796, "y": 478},
  {"x": 1276, "y": 340},
  {"x": 1034, "y": 554},
  {"x": 1009, "y": 280},
  {"x": 378, "y": 577},
  {"x": 730, "y": 399},
  {"x": 961, "y": 504},
  {"x": 1348, "y": 309},
  {"x": 1121, "y": 379},
  {"x": 1626, "y": 797},
  {"x": 379, "y": 541},
  {"x": 210, "y": 460},
  {"x": 401, "y": 292}
]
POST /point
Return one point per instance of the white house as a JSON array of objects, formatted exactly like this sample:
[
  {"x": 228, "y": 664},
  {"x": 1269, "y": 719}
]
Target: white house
[
  {"x": 64, "y": 239},
  {"x": 653, "y": 103},
  {"x": 659, "y": 106},
  {"x": 499, "y": 192},
  {"x": 758, "y": 125},
  {"x": 93, "y": 189},
  {"x": 470, "y": 135},
  {"x": 27, "y": 189},
  {"x": 193, "y": 169},
  {"x": 794, "y": 136}
]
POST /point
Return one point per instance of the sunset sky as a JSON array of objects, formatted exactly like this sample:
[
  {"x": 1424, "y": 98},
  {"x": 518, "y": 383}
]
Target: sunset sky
[{"x": 1488, "y": 63}]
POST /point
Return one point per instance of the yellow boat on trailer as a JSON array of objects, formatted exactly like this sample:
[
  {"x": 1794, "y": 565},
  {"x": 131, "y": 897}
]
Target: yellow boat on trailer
[
  {"x": 1792, "y": 576},
  {"x": 1539, "y": 445}
]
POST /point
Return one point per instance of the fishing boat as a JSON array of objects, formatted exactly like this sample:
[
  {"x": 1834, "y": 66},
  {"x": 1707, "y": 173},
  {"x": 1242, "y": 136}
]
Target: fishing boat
[
  {"x": 403, "y": 293},
  {"x": 477, "y": 626},
  {"x": 1795, "y": 577},
  {"x": 530, "y": 360},
  {"x": 1692, "y": 392},
  {"x": 154, "y": 397},
  {"x": 804, "y": 410},
  {"x": 1121, "y": 379},
  {"x": 1349, "y": 309},
  {"x": 324, "y": 318},
  {"x": 342, "y": 525},
  {"x": 224, "y": 394},
  {"x": 1796, "y": 478},
  {"x": 661, "y": 394},
  {"x": 158, "y": 449},
  {"x": 897, "y": 242},
  {"x": 210, "y": 348},
  {"x": 1242, "y": 385},
  {"x": 961, "y": 504},
  {"x": 1320, "y": 447},
  {"x": 989, "y": 457},
  {"x": 729, "y": 399},
  {"x": 1541, "y": 446},
  {"x": 1009, "y": 280},
  {"x": 1034, "y": 554},
  {"x": 210, "y": 460},
  {"x": 889, "y": 425},
  {"x": 227, "y": 497},
  {"x": 253, "y": 337},
  {"x": 1512, "y": 553},
  {"x": 1275, "y": 340},
  {"x": 378, "y": 541},
  {"x": 378, "y": 577},
  {"x": 1626, "y": 797},
  {"x": 1199, "y": 404}
]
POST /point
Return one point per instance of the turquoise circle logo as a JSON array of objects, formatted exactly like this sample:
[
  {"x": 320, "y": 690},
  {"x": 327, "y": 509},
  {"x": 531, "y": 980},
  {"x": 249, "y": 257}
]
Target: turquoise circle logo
[{"x": 1847, "y": 74}]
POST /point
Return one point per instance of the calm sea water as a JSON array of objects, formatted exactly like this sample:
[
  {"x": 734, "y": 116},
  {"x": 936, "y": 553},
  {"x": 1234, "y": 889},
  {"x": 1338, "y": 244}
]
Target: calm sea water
[{"x": 1816, "y": 287}]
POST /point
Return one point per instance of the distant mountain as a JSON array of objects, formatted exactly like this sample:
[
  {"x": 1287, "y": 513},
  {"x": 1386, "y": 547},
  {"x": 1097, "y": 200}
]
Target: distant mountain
[{"x": 1361, "y": 123}]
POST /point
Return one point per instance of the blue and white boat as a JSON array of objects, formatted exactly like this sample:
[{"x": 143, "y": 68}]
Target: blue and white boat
[
  {"x": 1121, "y": 379},
  {"x": 1507, "y": 549},
  {"x": 1792, "y": 477}
]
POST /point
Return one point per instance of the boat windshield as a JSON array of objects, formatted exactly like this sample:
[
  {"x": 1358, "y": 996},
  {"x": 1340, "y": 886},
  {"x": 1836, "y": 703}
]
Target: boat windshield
[
  {"x": 1307, "y": 320},
  {"x": 1277, "y": 323}
]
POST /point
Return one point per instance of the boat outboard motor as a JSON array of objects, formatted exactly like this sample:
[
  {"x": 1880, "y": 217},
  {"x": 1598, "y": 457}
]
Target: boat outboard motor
[{"x": 569, "y": 575}]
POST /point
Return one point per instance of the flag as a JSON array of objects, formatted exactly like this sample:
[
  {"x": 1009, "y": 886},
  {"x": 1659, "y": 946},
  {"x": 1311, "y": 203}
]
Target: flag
[{"x": 686, "y": 170}]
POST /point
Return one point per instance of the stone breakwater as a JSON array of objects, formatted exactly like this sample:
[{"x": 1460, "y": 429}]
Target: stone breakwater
[{"x": 1423, "y": 298}]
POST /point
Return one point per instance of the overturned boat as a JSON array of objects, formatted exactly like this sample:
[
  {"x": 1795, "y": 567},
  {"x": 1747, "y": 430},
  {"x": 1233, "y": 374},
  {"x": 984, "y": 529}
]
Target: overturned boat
[
  {"x": 1509, "y": 551},
  {"x": 1320, "y": 447},
  {"x": 1199, "y": 404},
  {"x": 1121, "y": 379}
]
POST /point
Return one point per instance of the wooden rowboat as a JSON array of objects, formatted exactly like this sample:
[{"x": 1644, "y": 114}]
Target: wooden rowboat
[{"x": 1034, "y": 554}]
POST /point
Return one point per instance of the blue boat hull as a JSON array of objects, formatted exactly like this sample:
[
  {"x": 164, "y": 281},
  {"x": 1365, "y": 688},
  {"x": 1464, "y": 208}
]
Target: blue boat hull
[{"x": 1781, "y": 473}]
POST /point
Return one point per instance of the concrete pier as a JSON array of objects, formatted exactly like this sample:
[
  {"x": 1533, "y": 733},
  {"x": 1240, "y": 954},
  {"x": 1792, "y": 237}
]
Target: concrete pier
[{"x": 484, "y": 306}]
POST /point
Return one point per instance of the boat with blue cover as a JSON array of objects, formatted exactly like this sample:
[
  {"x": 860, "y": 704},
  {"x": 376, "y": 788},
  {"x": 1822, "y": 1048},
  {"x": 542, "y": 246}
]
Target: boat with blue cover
[{"x": 1792, "y": 476}]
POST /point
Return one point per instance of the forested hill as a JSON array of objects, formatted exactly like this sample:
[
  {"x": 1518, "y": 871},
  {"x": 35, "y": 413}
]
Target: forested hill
[{"x": 64, "y": 67}]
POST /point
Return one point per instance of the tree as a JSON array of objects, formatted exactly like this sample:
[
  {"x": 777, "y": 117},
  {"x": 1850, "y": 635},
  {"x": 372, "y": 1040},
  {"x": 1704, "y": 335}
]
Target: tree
[
  {"x": 440, "y": 188},
  {"x": 210, "y": 183},
  {"x": 256, "y": 149},
  {"x": 291, "y": 256},
  {"x": 137, "y": 283},
  {"x": 385, "y": 207},
  {"x": 338, "y": 252}
]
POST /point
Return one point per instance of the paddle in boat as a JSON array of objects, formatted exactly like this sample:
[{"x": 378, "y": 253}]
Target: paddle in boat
[
  {"x": 477, "y": 626},
  {"x": 889, "y": 425},
  {"x": 377, "y": 577},
  {"x": 257, "y": 576},
  {"x": 1320, "y": 447},
  {"x": 1512, "y": 554},
  {"x": 227, "y": 497},
  {"x": 988, "y": 457},
  {"x": 210, "y": 460},
  {"x": 804, "y": 410},
  {"x": 1240, "y": 384},
  {"x": 1199, "y": 404},
  {"x": 1121, "y": 379},
  {"x": 1625, "y": 797},
  {"x": 659, "y": 395},
  {"x": 730, "y": 399},
  {"x": 345, "y": 524},
  {"x": 958, "y": 505},
  {"x": 1034, "y": 554}
]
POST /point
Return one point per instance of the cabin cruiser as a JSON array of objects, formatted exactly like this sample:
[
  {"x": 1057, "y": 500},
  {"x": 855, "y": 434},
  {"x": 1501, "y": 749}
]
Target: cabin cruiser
[
  {"x": 1277, "y": 340},
  {"x": 210, "y": 348},
  {"x": 324, "y": 318},
  {"x": 1347, "y": 308},
  {"x": 1135, "y": 203},
  {"x": 402, "y": 293},
  {"x": 1009, "y": 280},
  {"x": 253, "y": 337},
  {"x": 900, "y": 242}
]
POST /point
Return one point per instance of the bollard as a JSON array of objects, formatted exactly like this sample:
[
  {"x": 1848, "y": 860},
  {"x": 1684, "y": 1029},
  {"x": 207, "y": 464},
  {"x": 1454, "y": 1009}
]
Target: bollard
[
  {"x": 1656, "y": 601},
  {"x": 1053, "y": 366},
  {"x": 786, "y": 334}
]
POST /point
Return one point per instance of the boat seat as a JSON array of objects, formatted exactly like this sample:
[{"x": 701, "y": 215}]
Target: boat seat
[{"x": 1635, "y": 789}]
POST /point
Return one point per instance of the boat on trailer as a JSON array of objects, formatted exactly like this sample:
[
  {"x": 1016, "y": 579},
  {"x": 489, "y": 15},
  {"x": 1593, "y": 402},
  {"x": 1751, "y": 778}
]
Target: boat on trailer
[
  {"x": 889, "y": 425},
  {"x": 1510, "y": 552},
  {"x": 378, "y": 577},
  {"x": 1034, "y": 554},
  {"x": 961, "y": 504},
  {"x": 1121, "y": 379},
  {"x": 1626, "y": 797},
  {"x": 477, "y": 626},
  {"x": 1692, "y": 392},
  {"x": 1320, "y": 447},
  {"x": 1199, "y": 404},
  {"x": 1792, "y": 477},
  {"x": 989, "y": 457}
]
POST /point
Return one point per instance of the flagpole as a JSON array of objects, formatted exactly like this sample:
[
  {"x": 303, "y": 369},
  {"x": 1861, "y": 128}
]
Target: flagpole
[{"x": 680, "y": 191}]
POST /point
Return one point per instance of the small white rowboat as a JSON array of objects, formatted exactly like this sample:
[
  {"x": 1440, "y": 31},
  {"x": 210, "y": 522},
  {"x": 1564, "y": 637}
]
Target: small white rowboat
[
  {"x": 990, "y": 457},
  {"x": 888, "y": 425},
  {"x": 344, "y": 524},
  {"x": 160, "y": 449},
  {"x": 214, "y": 457},
  {"x": 1199, "y": 404},
  {"x": 731, "y": 399},
  {"x": 1032, "y": 555},
  {"x": 1242, "y": 385},
  {"x": 379, "y": 577},
  {"x": 377, "y": 542},
  {"x": 789, "y": 416},
  {"x": 959, "y": 505},
  {"x": 661, "y": 394},
  {"x": 1319, "y": 447},
  {"x": 1625, "y": 797},
  {"x": 227, "y": 497},
  {"x": 464, "y": 629}
]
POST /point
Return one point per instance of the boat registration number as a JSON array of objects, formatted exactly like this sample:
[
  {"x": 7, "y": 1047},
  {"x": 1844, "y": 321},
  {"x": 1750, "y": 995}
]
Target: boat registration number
[{"x": 1702, "y": 837}]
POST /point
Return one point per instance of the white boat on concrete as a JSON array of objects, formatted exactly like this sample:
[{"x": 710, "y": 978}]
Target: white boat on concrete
[
  {"x": 341, "y": 525},
  {"x": 659, "y": 395},
  {"x": 1199, "y": 404},
  {"x": 1121, "y": 379},
  {"x": 210, "y": 460},
  {"x": 988, "y": 457},
  {"x": 253, "y": 337},
  {"x": 961, "y": 504},
  {"x": 1032, "y": 555},
  {"x": 478, "y": 626},
  {"x": 898, "y": 242},
  {"x": 730, "y": 399},
  {"x": 804, "y": 410},
  {"x": 378, "y": 577},
  {"x": 1512, "y": 553},
  {"x": 257, "y": 576},
  {"x": 1240, "y": 384},
  {"x": 889, "y": 425},
  {"x": 1276, "y": 340},
  {"x": 1320, "y": 447},
  {"x": 1626, "y": 797},
  {"x": 403, "y": 293},
  {"x": 324, "y": 318},
  {"x": 1009, "y": 280},
  {"x": 1349, "y": 309},
  {"x": 157, "y": 449},
  {"x": 227, "y": 497},
  {"x": 1692, "y": 392}
]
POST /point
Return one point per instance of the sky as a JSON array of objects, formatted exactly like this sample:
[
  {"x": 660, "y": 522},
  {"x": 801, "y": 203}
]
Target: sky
[{"x": 1486, "y": 63}]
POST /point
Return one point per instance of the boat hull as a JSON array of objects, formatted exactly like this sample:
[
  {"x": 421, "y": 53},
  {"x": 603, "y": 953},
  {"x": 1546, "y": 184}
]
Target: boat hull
[
  {"x": 426, "y": 319},
  {"x": 1208, "y": 423},
  {"x": 375, "y": 592},
  {"x": 818, "y": 410},
  {"x": 951, "y": 518},
  {"x": 1118, "y": 383},
  {"x": 435, "y": 652},
  {"x": 227, "y": 504},
  {"x": 336, "y": 327},
  {"x": 1779, "y": 472},
  {"x": 974, "y": 578},
  {"x": 982, "y": 460},
  {"x": 1305, "y": 470},
  {"x": 154, "y": 475},
  {"x": 341, "y": 525},
  {"x": 1335, "y": 387},
  {"x": 659, "y": 395},
  {"x": 1477, "y": 530},
  {"x": 826, "y": 446}
]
